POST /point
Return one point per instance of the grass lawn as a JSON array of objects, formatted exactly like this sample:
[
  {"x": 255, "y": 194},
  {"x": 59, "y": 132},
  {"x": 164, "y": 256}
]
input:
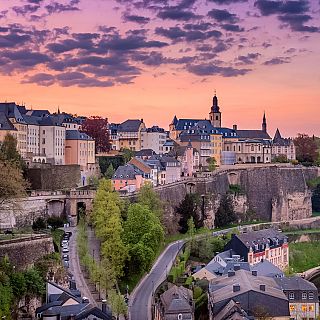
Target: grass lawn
[
  {"x": 304, "y": 256},
  {"x": 302, "y": 231}
]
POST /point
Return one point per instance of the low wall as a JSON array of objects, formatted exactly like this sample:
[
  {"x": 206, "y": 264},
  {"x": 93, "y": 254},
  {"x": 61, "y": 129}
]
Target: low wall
[{"x": 24, "y": 252}]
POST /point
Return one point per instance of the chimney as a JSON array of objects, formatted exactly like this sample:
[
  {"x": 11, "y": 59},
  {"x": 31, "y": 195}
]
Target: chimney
[
  {"x": 236, "y": 287},
  {"x": 231, "y": 273},
  {"x": 104, "y": 306},
  {"x": 236, "y": 267},
  {"x": 262, "y": 287},
  {"x": 141, "y": 120},
  {"x": 254, "y": 273},
  {"x": 235, "y": 127}
]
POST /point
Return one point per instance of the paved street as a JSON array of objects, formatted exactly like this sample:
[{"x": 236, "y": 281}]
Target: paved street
[
  {"x": 140, "y": 300},
  {"x": 75, "y": 269}
]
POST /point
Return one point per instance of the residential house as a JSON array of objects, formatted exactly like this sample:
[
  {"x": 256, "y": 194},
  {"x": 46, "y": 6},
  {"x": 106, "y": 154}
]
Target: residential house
[
  {"x": 129, "y": 133},
  {"x": 303, "y": 297},
  {"x": 12, "y": 112},
  {"x": 175, "y": 303},
  {"x": 171, "y": 170},
  {"x": 267, "y": 244},
  {"x": 168, "y": 145},
  {"x": 127, "y": 178},
  {"x": 283, "y": 147},
  {"x": 189, "y": 158},
  {"x": 52, "y": 139},
  {"x": 114, "y": 137},
  {"x": 79, "y": 149},
  {"x": 67, "y": 304},
  {"x": 6, "y": 127},
  {"x": 258, "y": 296},
  {"x": 145, "y": 154},
  {"x": 153, "y": 138}
]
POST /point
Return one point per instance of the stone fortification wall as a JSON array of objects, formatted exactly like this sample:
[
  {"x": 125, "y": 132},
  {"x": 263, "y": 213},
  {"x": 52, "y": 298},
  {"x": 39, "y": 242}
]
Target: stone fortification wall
[
  {"x": 24, "y": 252},
  {"x": 57, "y": 177},
  {"x": 274, "y": 193}
]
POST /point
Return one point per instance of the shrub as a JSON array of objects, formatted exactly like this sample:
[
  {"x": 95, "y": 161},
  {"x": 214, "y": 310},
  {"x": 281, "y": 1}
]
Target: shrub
[
  {"x": 197, "y": 292},
  {"x": 55, "y": 222},
  {"x": 39, "y": 224}
]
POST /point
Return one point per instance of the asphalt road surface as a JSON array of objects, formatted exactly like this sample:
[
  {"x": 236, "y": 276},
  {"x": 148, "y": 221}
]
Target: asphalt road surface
[{"x": 140, "y": 300}]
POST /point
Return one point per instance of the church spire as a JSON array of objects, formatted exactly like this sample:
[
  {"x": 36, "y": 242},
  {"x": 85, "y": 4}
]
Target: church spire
[
  {"x": 264, "y": 122},
  {"x": 215, "y": 106},
  {"x": 215, "y": 114}
]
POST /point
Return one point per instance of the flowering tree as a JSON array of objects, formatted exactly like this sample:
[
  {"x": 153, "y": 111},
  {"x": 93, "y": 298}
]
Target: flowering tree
[{"x": 98, "y": 129}]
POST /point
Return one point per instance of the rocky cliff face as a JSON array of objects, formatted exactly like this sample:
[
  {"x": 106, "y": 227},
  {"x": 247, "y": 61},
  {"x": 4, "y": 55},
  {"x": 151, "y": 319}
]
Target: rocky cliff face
[{"x": 273, "y": 193}]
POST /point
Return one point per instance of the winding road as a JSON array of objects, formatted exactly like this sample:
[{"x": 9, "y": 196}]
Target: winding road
[{"x": 140, "y": 299}]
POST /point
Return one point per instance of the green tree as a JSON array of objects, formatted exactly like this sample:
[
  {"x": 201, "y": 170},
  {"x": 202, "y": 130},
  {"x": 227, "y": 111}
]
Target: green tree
[
  {"x": 9, "y": 152},
  {"x": 34, "y": 282},
  {"x": 127, "y": 154},
  {"x": 225, "y": 214},
  {"x": 212, "y": 163},
  {"x": 12, "y": 184},
  {"x": 306, "y": 148},
  {"x": 18, "y": 284},
  {"x": 110, "y": 171},
  {"x": 188, "y": 208},
  {"x": 149, "y": 198},
  {"x": 118, "y": 305},
  {"x": 107, "y": 221},
  {"x": 316, "y": 199},
  {"x": 143, "y": 234}
]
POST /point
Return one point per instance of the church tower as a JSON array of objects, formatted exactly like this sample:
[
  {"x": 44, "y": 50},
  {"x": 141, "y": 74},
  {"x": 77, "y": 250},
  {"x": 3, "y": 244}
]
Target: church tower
[
  {"x": 215, "y": 114},
  {"x": 264, "y": 123}
]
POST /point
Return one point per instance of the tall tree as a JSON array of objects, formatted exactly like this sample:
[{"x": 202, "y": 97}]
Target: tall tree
[
  {"x": 149, "y": 198},
  {"x": 12, "y": 184},
  {"x": 107, "y": 220},
  {"x": 187, "y": 209},
  {"x": 127, "y": 154},
  {"x": 306, "y": 148},
  {"x": 109, "y": 172},
  {"x": 9, "y": 152},
  {"x": 212, "y": 163},
  {"x": 143, "y": 234},
  {"x": 98, "y": 129},
  {"x": 225, "y": 214}
]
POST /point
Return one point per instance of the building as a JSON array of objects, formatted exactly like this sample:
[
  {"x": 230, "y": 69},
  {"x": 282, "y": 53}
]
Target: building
[
  {"x": 267, "y": 244},
  {"x": 215, "y": 114},
  {"x": 302, "y": 295},
  {"x": 52, "y": 139},
  {"x": 153, "y": 138},
  {"x": 283, "y": 147},
  {"x": 67, "y": 304},
  {"x": 79, "y": 149},
  {"x": 175, "y": 303},
  {"x": 6, "y": 127},
  {"x": 259, "y": 297},
  {"x": 204, "y": 138},
  {"x": 189, "y": 158},
  {"x": 127, "y": 178},
  {"x": 129, "y": 134},
  {"x": 12, "y": 112}
]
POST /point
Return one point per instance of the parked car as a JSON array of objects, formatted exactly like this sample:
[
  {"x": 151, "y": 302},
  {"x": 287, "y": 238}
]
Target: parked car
[
  {"x": 65, "y": 257},
  {"x": 8, "y": 232},
  {"x": 66, "y": 264},
  {"x": 65, "y": 250}
]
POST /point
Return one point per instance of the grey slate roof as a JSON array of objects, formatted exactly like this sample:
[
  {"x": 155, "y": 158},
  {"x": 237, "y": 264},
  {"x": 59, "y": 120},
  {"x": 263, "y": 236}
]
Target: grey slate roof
[
  {"x": 267, "y": 269},
  {"x": 127, "y": 171},
  {"x": 11, "y": 110},
  {"x": 295, "y": 283},
  {"x": 130, "y": 126},
  {"x": 38, "y": 113},
  {"x": 253, "y": 134},
  {"x": 265, "y": 236},
  {"x": 31, "y": 120},
  {"x": 177, "y": 300},
  {"x": 279, "y": 141},
  {"x": 231, "y": 266},
  {"x": 5, "y": 123},
  {"x": 145, "y": 153},
  {"x": 250, "y": 293},
  {"x": 77, "y": 135}
]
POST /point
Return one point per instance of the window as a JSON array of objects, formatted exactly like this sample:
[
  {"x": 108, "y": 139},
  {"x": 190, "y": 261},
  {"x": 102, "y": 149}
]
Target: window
[
  {"x": 291, "y": 295},
  {"x": 310, "y": 295},
  {"x": 180, "y": 316},
  {"x": 304, "y": 295}
]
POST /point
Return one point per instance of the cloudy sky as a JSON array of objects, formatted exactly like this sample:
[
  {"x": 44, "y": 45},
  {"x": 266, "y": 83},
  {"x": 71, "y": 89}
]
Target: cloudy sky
[{"x": 153, "y": 59}]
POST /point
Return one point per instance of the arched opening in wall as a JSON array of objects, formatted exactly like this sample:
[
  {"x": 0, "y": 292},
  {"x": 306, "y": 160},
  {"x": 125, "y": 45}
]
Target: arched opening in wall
[
  {"x": 253, "y": 159},
  {"x": 55, "y": 208},
  {"x": 259, "y": 159},
  {"x": 81, "y": 210}
]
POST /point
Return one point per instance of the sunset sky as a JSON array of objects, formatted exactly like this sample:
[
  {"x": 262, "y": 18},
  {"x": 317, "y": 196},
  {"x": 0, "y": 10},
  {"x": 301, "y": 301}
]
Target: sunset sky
[{"x": 154, "y": 59}]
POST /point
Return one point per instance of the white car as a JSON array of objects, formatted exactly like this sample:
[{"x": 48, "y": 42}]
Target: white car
[{"x": 65, "y": 249}]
